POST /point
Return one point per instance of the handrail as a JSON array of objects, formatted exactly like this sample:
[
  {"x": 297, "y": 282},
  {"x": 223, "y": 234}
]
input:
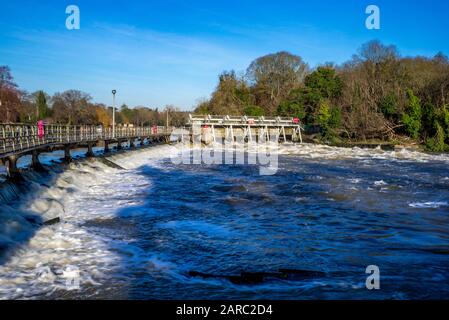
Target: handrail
[
  {"x": 16, "y": 137},
  {"x": 242, "y": 120}
]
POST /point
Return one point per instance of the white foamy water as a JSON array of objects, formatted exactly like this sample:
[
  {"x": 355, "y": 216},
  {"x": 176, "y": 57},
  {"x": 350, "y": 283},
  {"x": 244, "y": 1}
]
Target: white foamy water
[
  {"x": 86, "y": 191},
  {"x": 327, "y": 152},
  {"x": 430, "y": 204},
  {"x": 316, "y": 151}
]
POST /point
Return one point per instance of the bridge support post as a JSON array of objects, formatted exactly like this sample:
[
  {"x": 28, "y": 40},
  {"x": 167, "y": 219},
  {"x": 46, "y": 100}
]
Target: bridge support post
[
  {"x": 90, "y": 152},
  {"x": 132, "y": 144},
  {"x": 35, "y": 163},
  {"x": 142, "y": 141},
  {"x": 67, "y": 156},
  {"x": 214, "y": 137},
  {"x": 283, "y": 134},
  {"x": 106, "y": 147},
  {"x": 119, "y": 145},
  {"x": 11, "y": 167}
]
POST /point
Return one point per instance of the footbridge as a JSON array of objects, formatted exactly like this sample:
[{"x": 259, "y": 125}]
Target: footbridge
[
  {"x": 210, "y": 128},
  {"x": 17, "y": 140}
]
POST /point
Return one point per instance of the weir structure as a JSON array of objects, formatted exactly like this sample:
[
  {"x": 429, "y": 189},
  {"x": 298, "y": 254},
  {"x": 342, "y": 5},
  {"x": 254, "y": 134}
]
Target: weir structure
[
  {"x": 246, "y": 128},
  {"x": 17, "y": 140}
]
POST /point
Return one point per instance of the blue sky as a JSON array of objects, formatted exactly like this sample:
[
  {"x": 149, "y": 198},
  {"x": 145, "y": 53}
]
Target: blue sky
[{"x": 171, "y": 52}]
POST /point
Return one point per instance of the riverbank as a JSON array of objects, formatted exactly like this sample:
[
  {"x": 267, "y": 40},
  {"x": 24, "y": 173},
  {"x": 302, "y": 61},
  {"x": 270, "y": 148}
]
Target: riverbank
[{"x": 401, "y": 142}]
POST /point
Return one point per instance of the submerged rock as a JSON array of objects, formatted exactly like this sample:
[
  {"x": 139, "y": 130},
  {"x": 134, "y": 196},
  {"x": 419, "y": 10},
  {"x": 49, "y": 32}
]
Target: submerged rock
[
  {"x": 253, "y": 278},
  {"x": 52, "y": 221},
  {"x": 110, "y": 163}
]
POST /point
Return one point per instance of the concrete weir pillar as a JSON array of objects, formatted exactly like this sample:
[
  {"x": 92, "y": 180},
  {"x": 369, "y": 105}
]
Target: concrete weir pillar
[
  {"x": 35, "y": 163},
  {"x": 90, "y": 152},
  {"x": 11, "y": 167},
  {"x": 119, "y": 145},
  {"x": 132, "y": 144},
  {"x": 106, "y": 147},
  {"x": 67, "y": 156},
  {"x": 142, "y": 142}
]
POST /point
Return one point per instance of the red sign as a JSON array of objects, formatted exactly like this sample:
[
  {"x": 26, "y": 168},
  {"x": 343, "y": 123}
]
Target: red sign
[
  {"x": 154, "y": 130},
  {"x": 296, "y": 120},
  {"x": 40, "y": 129}
]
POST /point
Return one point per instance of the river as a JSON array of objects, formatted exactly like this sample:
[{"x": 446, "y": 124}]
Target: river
[{"x": 141, "y": 231}]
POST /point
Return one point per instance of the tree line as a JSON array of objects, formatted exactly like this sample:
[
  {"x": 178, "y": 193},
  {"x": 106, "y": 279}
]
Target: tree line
[
  {"x": 378, "y": 94},
  {"x": 74, "y": 107}
]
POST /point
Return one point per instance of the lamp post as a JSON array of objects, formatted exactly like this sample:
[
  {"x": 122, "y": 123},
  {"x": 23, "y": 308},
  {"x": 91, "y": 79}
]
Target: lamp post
[
  {"x": 113, "y": 113},
  {"x": 166, "y": 126}
]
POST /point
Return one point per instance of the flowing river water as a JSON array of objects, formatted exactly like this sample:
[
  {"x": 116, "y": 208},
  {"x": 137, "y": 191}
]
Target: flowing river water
[{"x": 156, "y": 230}]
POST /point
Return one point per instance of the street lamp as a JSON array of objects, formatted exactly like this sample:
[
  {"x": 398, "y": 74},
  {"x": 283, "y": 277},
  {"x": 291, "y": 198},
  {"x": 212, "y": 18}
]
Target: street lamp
[{"x": 113, "y": 113}]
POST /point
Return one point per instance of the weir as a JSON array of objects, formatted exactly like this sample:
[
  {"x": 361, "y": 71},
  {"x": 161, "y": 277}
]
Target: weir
[
  {"x": 17, "y": 140},
  {"x": 208, "y": 128}
]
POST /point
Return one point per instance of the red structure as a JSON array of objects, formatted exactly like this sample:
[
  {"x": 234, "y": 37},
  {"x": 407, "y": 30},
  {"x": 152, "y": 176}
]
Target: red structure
[{"x": 40, "y": 129}]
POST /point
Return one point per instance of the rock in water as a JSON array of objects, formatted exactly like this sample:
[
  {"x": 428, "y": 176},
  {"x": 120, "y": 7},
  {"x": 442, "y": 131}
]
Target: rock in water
[{"x": 52, "y": 221}]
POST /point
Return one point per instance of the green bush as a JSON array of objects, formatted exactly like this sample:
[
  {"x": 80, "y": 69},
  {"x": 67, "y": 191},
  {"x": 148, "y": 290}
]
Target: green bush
[
  {"x": 437, "y": 143},
  {"x": 412, "y": 116},
  {"x": 253, "y": 111},
  {"x": 329, "y": 119},
  {"x": 325, "y": 82},
  {"x": 335, "y": 119},
  {"x": 445, "y": 118},
  {"x": 291, "y": 109},
  {"x": 388, "y": 106},
  {"x": 323, "y": 115}
]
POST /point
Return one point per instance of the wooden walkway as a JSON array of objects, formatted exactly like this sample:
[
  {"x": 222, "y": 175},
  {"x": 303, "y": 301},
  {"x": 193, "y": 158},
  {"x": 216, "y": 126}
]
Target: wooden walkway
[{"x": 17, "y": 140}]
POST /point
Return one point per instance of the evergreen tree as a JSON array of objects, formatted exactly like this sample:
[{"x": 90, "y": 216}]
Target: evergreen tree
[
  {"x": 253, "y": 111},
  {"x": 412, "y": 116},
  {"x": 436, "y": 143},
  {"x": 291, "y": 108},
  {"x": 42, "y": 110}
]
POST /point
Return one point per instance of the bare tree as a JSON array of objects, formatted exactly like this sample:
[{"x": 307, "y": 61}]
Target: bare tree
[
  {"x": 231, "y": 96},
  {"x": 73, "y": 107},
  {"x": 273, "y": 77},
  {"x": 10, "y": 97}
]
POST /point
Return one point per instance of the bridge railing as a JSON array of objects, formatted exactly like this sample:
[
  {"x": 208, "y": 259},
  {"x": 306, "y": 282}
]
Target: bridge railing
[
  {"x": 242, "y": 120},
  {"x": 17, "y": 137}
]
